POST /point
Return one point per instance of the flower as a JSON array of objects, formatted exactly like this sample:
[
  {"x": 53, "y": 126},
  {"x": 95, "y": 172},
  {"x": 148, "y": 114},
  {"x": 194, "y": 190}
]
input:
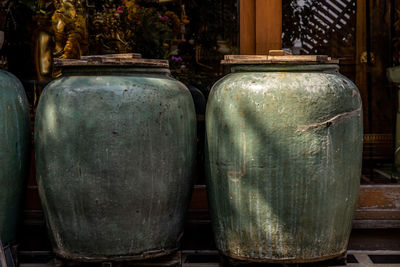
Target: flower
[
  {"x": 176, "y": 59},
  {"x": 123, "y": 24}
]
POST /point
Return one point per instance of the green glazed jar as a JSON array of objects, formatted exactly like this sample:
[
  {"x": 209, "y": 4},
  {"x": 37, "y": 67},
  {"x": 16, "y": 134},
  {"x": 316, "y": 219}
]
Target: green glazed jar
[
  {"x": 284, "y": 149},
  {"x": 14, "y": 153},
  {"x": 115, "y": 150}
]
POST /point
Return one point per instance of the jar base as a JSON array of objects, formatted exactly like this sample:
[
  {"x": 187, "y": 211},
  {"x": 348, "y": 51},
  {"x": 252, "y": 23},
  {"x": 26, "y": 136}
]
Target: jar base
[
  {"x": 232, "y": 257},
  {"x": 135, "y": 257}
]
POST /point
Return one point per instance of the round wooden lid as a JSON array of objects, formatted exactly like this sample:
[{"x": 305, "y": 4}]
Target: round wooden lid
[
  {"x": 278, "y": 57},
  {"x": 112, "y": 60}
]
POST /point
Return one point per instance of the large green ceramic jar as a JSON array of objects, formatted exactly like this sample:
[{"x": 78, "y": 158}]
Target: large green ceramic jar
[
  {"x": 115, "y": 149},
  {"x": 14, "y": 154},
  {"x": 284, "y": 139}
]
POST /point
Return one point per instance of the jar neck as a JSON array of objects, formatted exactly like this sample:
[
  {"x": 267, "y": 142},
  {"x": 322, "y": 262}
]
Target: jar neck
[
  {"x": 110, "y": 70},
  {"x": 286, "y": 68}
]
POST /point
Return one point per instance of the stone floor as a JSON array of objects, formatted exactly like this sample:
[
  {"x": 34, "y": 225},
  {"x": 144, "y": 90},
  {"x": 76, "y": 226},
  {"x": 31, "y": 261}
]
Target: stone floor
[
  {"x": 367, "y": 247},
  {"x": 211, "y": 259}
]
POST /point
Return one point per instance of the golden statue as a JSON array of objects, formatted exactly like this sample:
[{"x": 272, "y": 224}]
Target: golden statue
[
  {"x": 70, "y": 29},
  {"x": 62, "y": 33}
]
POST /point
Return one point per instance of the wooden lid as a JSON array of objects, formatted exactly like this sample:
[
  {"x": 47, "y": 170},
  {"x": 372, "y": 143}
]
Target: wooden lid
[
  {"x": 278, "y": 57},
  {"x": 112, "y": 60},
  {"x": 123, "y": 55}
]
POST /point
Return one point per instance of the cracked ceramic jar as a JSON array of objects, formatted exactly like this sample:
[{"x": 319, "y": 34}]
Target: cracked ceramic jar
[
  {"x": 14, "y": 153},
  {"x": 115, "y": 150},
  {"x": 284, "y": 148}
]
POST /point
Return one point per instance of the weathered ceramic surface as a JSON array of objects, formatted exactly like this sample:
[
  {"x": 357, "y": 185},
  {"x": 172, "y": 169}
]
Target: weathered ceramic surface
[
  {"x": 14, "y": 144},
  {"x": 393, "y": 75},
  {"x": 283, "y": 162},
  {"x": 115, "y": 150}
]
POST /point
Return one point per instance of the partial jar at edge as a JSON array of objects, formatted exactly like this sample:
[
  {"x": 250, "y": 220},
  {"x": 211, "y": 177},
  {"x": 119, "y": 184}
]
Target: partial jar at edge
[{"x": 14, "y": 154}]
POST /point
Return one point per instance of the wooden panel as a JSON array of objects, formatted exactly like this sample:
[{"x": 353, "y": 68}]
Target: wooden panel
[
  {"x": 378, "y": 214},
  {"x": 199, "y": 198},
  {"x": 268, "y": 26},
  {"x": 247, "y": 27},
  {"x": 32, "y": 200},
  {"x": 376, "y": 224},
  {"x": 382, "y": 197},
  {"x": 378, "y": 205}
]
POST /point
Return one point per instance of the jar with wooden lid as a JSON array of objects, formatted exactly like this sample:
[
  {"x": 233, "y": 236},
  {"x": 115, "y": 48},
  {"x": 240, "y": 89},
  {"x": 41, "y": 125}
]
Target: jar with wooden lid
[
  {"x": 284, "y": 150},
  {"x": 115, "y": 150}
]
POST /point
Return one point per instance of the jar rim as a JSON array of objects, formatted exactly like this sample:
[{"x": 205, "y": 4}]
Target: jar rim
[
  {"x": 113, "y": 70},
  {"x": 285, "y": 68}
]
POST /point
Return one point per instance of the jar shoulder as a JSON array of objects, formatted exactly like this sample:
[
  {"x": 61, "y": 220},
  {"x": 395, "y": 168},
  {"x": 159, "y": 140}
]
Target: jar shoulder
[
  {"x": 328, "y": 93},
  {"x": 11, "y": 83},
  {"x": 114, "y": 84},
  {"x": 12, "y": 91},
  {"x": 273, "y": 79},
  {"x": 282, "y": 83}
]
